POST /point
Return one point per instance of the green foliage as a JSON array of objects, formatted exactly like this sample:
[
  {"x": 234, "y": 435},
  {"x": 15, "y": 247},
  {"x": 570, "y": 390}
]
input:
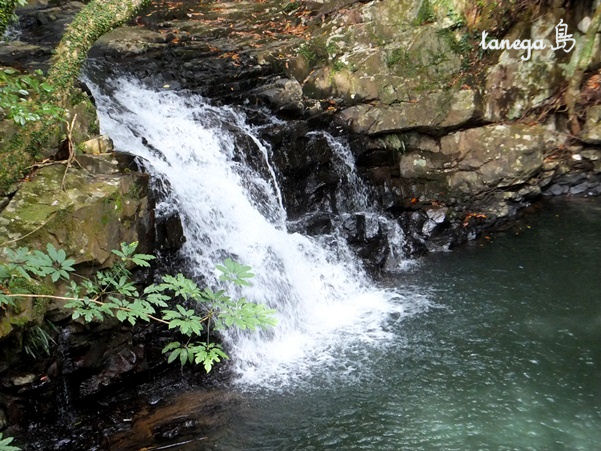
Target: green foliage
[
  {"x": 399, "y": 56},
  {"x": 5, "y": 444},
  {"x": 338, "y": 66},
  {"x": 111, "y": 293},
  {"x": 25, "y": 268},
  {"x": 317, "y": 50},
  {"x": 37, "y": 342},
  {"x": 26, "y": 97},
  {"x": 7, "y": 13},
  {"x": 95, "y": 19},
  {"x": 457, "y": 19},
  {"x": 425, "y": 14},
  {"x": 38, "y": 110},
  {"x": 463, "y": 46},
  {"x": 308, "y": 53},
  {"x": 235, "y": 273},
  {"x": 291, "y": 6},
  {"x": 206, "y": 354}
]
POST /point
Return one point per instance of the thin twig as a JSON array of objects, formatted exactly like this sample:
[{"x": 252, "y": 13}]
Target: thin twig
[
  {"x": 66, "y": 298},
  {"x": 71, "y": 153},
  {"x": 43, "y": 164}
]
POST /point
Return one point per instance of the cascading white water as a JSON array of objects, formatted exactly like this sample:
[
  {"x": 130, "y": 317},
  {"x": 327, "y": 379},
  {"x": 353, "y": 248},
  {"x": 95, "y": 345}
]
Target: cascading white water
[{"x": 323, "y": 298}]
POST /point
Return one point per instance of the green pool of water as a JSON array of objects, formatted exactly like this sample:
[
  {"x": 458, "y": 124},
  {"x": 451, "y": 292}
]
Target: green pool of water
[{"x": 508, "y": 356}]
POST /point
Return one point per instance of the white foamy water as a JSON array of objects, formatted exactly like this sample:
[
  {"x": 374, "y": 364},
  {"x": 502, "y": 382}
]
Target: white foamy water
[{"x": 325, "y": 302}]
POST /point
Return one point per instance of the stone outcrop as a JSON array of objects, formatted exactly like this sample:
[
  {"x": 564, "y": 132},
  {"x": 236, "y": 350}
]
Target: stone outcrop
[
  {"x": 434, "y": 123},
  {"x": 434, "y": 112},
  {"x": 591, "y": 133},
  {"x": 101, "y": 204},
  {"x": 439, "y": 127},
  {"x": 92, "y": 214}
]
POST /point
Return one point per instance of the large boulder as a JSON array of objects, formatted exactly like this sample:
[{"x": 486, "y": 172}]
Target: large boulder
[
  {"x": 103, "y": 203},
  {"x": 494, "y": 156},
  {"x": 591, "y": 132},
  {"x": 470, "y": 164},
  {"x": 515, "y": 86},
  {"x": 432, "y": 111},
  {"x": 92, "y": 215}
]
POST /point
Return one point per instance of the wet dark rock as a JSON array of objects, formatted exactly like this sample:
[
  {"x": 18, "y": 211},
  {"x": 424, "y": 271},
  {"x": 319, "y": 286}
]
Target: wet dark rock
[
  {"x": 376, "y": 239},
  {"x": 3, "y": 419},
  {"x": 170, "y": 233},
  {"x": 117, "y": 364},
  {"x": 308, "y": 176},
  {"x": 436, "y": 217},
  {"x": 318, "y": 223},
  {"x": 283, "y": 95},
  {"x": 41, "y": 27},
  {"x": 189, "y": 416}
]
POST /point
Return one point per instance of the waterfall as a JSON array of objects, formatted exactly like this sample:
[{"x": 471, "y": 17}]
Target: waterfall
[
  {"x": 324, "y": 299},
  {"x": 356, "y": 194}
]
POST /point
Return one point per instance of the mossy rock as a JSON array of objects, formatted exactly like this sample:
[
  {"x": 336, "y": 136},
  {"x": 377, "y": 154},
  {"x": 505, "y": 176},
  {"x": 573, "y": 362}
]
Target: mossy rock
[
  {"x": 89, "y": 218},
  {"x": 434, "y": 111},
  {"x": 99, "y": 208}
]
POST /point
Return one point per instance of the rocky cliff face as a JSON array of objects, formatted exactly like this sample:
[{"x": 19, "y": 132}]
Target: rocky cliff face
[
  {"x": 444, "y": 125},
  {"x": 439, "y": 126}
]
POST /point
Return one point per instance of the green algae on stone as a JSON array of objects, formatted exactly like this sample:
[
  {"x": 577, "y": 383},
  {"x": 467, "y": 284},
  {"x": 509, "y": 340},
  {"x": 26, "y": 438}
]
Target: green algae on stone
[{"x": 89, "y": 218}]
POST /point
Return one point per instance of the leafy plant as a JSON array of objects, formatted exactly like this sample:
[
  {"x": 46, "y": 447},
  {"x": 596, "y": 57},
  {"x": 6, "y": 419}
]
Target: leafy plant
[
  {"x": 7, "y": 12},
  {"x": 26, "y": 97},
  {"x": 308, "y": 53},
  {"x": 5, "y": 444},
  {"x": 112, "y": 293},
  {"x": 399, "y": 56},
  {"x": 338, "y": 66},
  {"x": 291, "y": 6},
  {"x": 37, "y": 341},
  {"x": 425, "y": 14}
]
